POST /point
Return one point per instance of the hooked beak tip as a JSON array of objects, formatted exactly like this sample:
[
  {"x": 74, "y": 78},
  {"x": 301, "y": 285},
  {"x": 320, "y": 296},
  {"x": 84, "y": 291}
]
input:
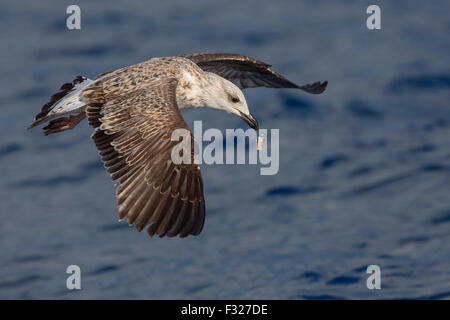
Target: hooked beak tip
[{"x": 250, "y": 121}]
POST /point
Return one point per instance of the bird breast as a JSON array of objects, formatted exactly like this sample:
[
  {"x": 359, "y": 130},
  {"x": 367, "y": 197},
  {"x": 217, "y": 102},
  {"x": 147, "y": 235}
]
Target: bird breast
[{"x": 190, "y": 93}]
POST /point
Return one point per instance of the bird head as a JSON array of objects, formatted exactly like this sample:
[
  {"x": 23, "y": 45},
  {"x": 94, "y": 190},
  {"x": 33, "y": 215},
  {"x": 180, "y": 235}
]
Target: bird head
[{"x": 225, "y": 95}]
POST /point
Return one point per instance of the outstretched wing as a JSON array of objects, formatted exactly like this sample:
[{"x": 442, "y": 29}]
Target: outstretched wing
[
  {"x": 246, "y": 72},
  {"x": 133, "y": 135}
]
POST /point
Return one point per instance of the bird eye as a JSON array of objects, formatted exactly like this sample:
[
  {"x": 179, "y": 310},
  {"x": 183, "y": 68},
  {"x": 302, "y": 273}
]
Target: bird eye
[{"x": 234, "y": 100}]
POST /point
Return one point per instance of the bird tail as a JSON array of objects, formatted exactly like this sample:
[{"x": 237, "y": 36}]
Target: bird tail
[{"x": 66, "y": 101}]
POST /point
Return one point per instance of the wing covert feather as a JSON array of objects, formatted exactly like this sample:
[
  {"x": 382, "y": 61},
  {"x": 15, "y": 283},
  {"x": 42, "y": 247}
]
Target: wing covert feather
[
  {"x": 134, "y": 125},
  {"x": 246, "y": 72}
]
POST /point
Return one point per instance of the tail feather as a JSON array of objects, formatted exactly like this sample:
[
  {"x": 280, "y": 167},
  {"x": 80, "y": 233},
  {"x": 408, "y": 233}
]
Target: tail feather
[
  {"x": 63, "y": 124},
  {"x": 65, "y": 101}
]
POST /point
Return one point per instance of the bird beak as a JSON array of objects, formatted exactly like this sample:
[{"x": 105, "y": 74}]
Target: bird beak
[{"x": 250, "y": 121}]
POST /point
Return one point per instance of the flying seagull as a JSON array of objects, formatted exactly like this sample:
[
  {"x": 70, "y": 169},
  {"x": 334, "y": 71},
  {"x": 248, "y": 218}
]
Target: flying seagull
[{"x": 134, "y": 111}]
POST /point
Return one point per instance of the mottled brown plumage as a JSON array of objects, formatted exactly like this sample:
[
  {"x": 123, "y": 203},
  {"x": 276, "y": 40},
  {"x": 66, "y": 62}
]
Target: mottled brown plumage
[
  {"x": 134, "y": 111},
  {"x": 134, "y": 128}
]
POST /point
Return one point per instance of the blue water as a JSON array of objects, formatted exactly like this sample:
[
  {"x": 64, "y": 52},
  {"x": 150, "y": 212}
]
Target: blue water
[{"x": 364, "y": 168}]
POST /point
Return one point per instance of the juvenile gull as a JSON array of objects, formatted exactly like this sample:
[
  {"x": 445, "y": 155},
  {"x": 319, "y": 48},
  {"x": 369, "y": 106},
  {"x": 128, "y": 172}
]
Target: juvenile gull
[{"x": 134, "y": 111}]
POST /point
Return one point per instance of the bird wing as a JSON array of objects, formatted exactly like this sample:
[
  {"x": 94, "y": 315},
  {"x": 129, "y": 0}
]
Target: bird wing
[
  {"x": 246, "y": 72},
  {"x": 134, "y": 125}
]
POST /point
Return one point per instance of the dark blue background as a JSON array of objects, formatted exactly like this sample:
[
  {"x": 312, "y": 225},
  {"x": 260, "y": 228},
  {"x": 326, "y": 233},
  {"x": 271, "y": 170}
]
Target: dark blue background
[{"x": 364, "y": 167}]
